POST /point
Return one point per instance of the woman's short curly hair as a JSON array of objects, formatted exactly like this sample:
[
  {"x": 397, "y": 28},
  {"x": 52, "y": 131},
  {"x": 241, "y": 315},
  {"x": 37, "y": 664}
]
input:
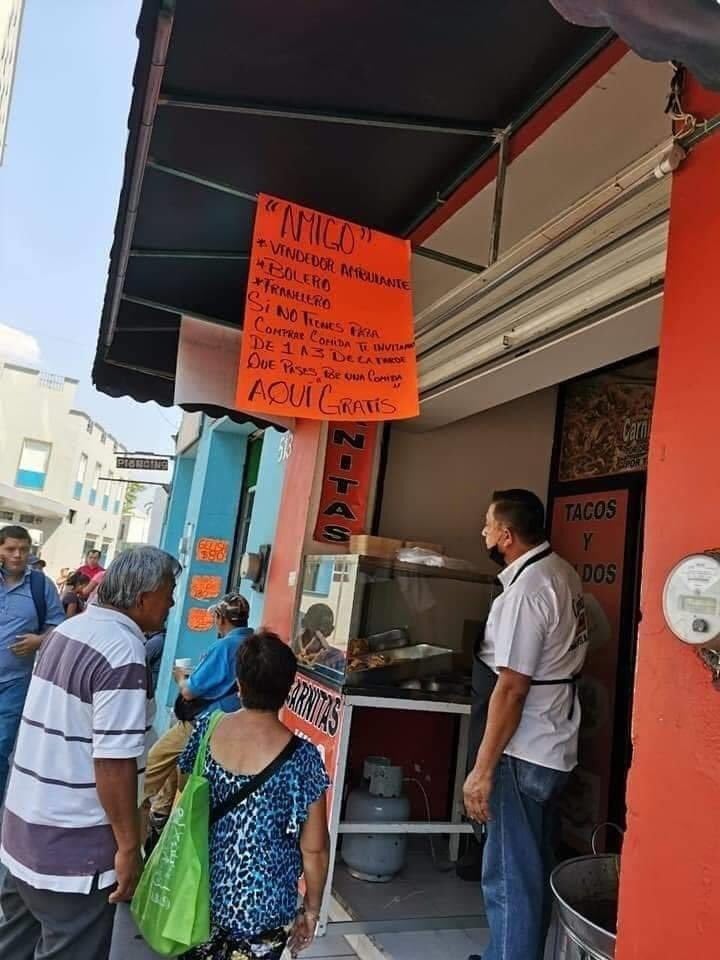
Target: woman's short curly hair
[{"x": 265, "y": 670}]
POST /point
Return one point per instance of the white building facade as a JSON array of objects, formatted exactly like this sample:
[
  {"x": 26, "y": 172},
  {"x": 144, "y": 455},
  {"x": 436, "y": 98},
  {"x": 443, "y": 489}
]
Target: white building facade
[
  {"x": 57, "y": 469},
  {"x": 10, "y": 23}
]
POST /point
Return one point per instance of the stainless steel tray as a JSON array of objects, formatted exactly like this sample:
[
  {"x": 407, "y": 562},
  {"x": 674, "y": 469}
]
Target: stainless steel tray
[{"x": 405, "y": 663}]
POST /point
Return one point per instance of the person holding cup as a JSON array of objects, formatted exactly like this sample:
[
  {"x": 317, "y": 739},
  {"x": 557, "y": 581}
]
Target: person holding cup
[{"x": 211, "y": 686}]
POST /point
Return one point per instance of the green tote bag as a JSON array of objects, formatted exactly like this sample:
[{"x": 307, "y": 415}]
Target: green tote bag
[{"x": 171, "y": 905}]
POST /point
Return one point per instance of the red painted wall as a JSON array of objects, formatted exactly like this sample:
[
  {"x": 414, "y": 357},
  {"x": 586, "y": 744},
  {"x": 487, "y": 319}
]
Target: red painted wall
[
  {"x": 292, "y": 522},
  {"x": 670, "y": 882},
  {"x": 421, "y": 743}
]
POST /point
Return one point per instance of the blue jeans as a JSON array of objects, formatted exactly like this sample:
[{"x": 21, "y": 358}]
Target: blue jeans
[
  {"x": 518, "y": 858},
  {"x": 12, "y": 701}
]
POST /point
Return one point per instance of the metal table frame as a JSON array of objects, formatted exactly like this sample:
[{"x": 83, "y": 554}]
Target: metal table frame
[{"x": 454, "y": 827}]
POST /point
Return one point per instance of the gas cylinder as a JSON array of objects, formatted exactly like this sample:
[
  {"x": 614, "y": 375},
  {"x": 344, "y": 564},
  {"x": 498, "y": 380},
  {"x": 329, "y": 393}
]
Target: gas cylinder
[{"x": 376, "y": 857}]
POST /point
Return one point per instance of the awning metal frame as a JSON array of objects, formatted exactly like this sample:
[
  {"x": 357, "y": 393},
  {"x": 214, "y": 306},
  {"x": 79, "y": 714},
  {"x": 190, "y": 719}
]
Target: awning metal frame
[
  {"x": 154, "y": 98},
  {"x": 170, "y": 308},
  {"x": 189, "y": 254},
  {"x": 498, "y": 203},
  {"x": 438, "y": 255},
  {"x": 285, "y": 112}
]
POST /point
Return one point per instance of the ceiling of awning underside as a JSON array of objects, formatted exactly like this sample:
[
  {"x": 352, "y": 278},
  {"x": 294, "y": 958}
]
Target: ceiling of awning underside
[{"x": 461, "y": 64}]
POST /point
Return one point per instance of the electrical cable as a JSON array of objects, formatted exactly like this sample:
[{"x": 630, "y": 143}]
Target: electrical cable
[{"x": 442, "y": 868}]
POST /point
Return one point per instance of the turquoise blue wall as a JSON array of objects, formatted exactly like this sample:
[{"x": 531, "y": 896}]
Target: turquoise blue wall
[
  {"x": 265, "y": 512},
  {"x": 178, "y": 503},
  {"x": 206, "y": 495}
]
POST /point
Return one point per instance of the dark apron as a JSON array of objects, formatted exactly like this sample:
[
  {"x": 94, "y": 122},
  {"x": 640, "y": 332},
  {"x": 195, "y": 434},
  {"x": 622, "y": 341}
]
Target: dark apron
[{"x": 484, "y": 680}]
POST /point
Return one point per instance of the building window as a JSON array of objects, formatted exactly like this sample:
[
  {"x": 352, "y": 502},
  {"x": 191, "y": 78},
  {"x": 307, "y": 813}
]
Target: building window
[
  {"x": 80, "y": 478},
  {"x": 119, "y": 493},
  {"x": 51, "y": 381},
  {"x": 107, "y": 491},
  {"x": 71, "y": 515},
  {"x": 33, "y": 465},
  {"x": 106, "y": 544},
  {"x": 89, "y": 544},
  {"x": 29, "y": 518},
  {"x": 7, "y": 515},
  {"x": 318, "y": 577},
  {"x": 95, "y": 483},
  {"x": 89, "y": 426}
]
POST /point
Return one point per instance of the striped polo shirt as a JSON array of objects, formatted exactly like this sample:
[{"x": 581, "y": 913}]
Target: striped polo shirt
[{"x": 88, "y": 700}]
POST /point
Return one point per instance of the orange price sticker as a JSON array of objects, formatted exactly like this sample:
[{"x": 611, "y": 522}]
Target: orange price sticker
[
  {"x": 199, "y": 619},
  {"x": 212, "y": 551},
  {"x": 328, "y": 332},
  {"x": 205, "y": 588}
]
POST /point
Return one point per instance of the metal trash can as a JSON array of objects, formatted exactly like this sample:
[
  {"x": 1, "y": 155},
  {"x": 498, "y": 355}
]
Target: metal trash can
[{"x": 585, "y": 895}]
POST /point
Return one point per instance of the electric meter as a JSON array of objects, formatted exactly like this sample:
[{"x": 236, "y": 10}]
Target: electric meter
[{"x": 691, "y": 600}]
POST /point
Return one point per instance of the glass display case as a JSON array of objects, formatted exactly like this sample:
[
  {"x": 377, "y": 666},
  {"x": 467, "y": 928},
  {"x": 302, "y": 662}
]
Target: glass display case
[{"x": 365, "y": 621}]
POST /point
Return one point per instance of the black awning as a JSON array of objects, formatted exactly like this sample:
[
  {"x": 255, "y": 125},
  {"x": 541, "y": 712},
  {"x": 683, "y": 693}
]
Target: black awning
[{"x": 375, "y": 112}]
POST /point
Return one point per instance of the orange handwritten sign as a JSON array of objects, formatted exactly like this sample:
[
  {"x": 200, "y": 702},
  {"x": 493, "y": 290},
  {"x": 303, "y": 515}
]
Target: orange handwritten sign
[
  {"x": 205, "y": 588},
  {"x": 199, "y": 619},
  {"x": 211, "y": 551},
  {"x": 328, "y": 332}
]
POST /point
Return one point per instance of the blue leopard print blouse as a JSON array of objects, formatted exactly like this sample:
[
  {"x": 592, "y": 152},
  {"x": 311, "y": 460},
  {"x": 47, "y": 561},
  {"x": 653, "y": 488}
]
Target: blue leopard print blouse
[{"x": 255, "y": 860}]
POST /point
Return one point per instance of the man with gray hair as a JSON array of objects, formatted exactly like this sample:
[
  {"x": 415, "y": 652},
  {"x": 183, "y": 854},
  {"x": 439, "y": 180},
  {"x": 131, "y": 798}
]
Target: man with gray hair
[{"x": 70, "y": 832}]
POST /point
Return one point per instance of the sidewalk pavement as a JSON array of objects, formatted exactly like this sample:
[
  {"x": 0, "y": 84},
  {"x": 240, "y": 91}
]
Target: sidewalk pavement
[{"x": 127, "y": 945}]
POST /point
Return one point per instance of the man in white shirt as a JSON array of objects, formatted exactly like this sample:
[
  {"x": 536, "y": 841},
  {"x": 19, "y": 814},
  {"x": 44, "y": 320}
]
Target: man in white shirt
[
  {"x": 70, "y": 831},
  {"x": 525, "y": 723}
]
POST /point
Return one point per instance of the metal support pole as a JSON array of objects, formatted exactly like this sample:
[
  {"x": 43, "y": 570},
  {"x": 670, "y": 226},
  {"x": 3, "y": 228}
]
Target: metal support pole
[
  {"x": 503, "y": 143},
  {"x": 189, "y": 254},
  {"x": 445, "y": 258},
  {"x": 202, "y": 181},
  {"x": 448, "y": 259},
  {"x": 461, "y": 767},
  {"x": 337, "y": 802},
  {"x": 173, "y": 308},
  {"x": 285, "y": 112}
]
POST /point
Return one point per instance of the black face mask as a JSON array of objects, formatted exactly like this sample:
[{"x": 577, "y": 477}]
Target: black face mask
[{"x": 495, "y": 555}]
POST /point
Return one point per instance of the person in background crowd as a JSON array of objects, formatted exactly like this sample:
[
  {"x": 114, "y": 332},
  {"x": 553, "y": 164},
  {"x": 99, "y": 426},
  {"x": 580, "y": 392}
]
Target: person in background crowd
[
  {"x": 91, "y": 588},
  {"x": 260, "y": 847},
  {"x": 211, "y": 686},
  {"x": 64, "y": 574},
  {"x": 72, "y": 595},
  {"x": 525, "y": 721},
  {"x": 92, "y": 566},
  {"x": 37, "y": 563},
  {"x": 155, "y": 643},
  {"x": 29, "y": 608},
  {"x": 70, "y": 831}
]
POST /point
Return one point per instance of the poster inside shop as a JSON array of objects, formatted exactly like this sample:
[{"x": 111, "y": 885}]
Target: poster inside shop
[
  {"x": 347, "y": 474},
  {"x": 589, "y": 531},
  {"x": 606, "y": 422},
  {"x": 328, "y": 331},
  {"x": 315, "y": 713}
]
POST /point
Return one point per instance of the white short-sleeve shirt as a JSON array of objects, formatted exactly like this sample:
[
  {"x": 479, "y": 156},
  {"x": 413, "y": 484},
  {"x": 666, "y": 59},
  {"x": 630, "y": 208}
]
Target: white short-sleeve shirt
[{"x": 537, "y": 626}]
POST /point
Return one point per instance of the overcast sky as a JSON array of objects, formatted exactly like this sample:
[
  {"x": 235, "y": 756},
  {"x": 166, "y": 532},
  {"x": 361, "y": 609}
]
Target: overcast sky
[{"x": 59, "y": 188}]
